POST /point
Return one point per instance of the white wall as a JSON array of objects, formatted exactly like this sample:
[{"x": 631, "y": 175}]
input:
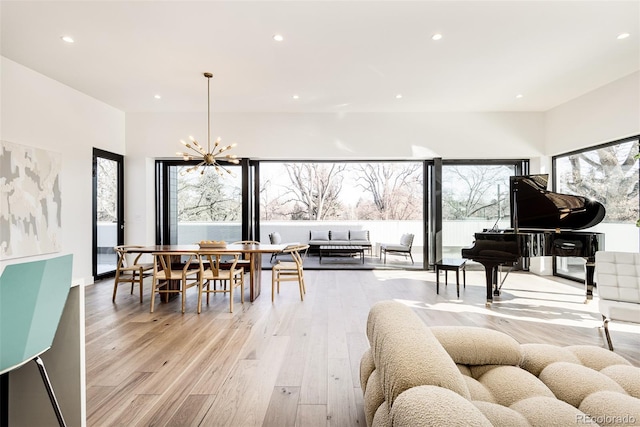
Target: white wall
[
  {"x": 604, "y": 115},
  {"x": 39, "y": 112},
  {"x": 344, "y": 136}
]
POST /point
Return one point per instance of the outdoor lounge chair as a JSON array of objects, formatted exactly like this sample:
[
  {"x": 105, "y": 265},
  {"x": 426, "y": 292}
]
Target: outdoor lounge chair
[{"x": 403, "y": 248}]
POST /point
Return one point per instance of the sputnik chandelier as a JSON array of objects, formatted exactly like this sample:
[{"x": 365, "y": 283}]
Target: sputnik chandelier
[{"x": 208, "y": 157}]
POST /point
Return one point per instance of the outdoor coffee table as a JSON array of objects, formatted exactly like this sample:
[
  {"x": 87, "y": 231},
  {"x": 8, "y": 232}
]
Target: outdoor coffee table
[{"x": 341, "y": 250}]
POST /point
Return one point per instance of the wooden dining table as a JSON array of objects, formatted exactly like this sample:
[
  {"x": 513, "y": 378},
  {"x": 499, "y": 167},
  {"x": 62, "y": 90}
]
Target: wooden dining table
[{"x": 251, "y": 251}]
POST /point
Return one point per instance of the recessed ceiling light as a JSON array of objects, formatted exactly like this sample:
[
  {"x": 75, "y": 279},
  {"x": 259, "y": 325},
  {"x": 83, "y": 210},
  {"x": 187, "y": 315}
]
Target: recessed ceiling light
[
  {"x": 67, "y": 39},
  {"x": 623, "y": 36},
  {"x": 399, "y": 96},
  {"x": 436, "y": 36},
  {"x": 278, "y": 37},
  {"x": 157, "y": 96},
  {"x": 295, "y": 97},
  {"x": 519, "y": 96}
]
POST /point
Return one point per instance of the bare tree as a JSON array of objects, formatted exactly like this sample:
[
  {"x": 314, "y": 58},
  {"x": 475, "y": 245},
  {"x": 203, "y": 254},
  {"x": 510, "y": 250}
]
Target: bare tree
[
  {"x": 396, "y": 190},
  {"x": 314, "y": 191},
  {"x": 474, "y": 190},
  {"x": 608, "y": 175},
  {"x": 205, "y": 197},
  {"x": 107, "y": 190},
  {"x": 272, "y": 205}
]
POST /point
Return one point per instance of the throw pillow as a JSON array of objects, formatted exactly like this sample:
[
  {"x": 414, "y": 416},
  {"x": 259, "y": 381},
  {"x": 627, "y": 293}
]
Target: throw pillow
[
  {"x": 339, "y": 235},
  {"x": 358, "y": 235},
  {"x": 319, "y": 235}
]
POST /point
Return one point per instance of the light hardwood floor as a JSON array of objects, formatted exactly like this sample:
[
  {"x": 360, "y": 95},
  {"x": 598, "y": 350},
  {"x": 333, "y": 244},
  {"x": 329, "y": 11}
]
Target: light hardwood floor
[{"x": 292, "y": 362}]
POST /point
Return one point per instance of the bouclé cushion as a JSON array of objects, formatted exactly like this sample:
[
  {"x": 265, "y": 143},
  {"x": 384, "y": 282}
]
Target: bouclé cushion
[{"x": 478, "y": 346}]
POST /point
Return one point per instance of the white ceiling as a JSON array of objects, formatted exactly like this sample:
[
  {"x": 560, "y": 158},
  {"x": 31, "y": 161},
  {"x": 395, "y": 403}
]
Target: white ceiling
[{"x": 338, "y": 56}]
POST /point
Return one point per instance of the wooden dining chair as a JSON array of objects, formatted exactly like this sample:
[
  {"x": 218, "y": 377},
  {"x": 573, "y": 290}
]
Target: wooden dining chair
[
  {"x": 214, "y": 268},
  {"x": 177, "y": 278},
  {"x": 290, "y": 271},
  {"x": 129, "y": 269}
]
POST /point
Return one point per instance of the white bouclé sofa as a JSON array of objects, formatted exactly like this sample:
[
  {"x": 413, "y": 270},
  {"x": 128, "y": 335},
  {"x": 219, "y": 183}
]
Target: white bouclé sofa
[{"x": 415, "y": 375}]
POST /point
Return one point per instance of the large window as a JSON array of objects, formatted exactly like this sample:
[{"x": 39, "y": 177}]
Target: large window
[
  {"x": 200, "y": 206},
  {"x": 609, "y": 174},
  {"x": 475, "y": 196},
  {"x": 385, "y": 198}
]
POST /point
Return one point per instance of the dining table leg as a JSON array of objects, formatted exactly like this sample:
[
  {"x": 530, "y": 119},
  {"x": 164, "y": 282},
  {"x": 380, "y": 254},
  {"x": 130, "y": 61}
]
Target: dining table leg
[
  {"x": 172, "y": 284},
  {"x": 255, "y": 275}
]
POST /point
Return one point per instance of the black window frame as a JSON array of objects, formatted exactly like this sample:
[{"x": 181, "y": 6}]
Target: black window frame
[
  {"x": 555, "y": 186},
  {"x": 432, "y": 195}
]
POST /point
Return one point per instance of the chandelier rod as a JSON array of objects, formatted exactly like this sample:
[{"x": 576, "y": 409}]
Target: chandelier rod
[{"x": 208, "y": 76}]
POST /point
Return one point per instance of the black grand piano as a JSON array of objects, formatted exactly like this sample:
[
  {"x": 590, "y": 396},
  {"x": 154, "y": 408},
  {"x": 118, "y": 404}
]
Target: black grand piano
[{"x": 543, "y": 225}]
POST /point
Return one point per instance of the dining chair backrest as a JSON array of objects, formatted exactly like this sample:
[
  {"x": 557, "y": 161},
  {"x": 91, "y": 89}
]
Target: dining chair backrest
[
  {"x": 297, "y": 252},
  {"x": 164, "y": 262},
  {"x": 128, "y": 269},
  {"x": 163, "y": 270},
  {"x": 289, "y": 271},
  {"x": 125, "y": 257},
  {"x": 219, "y": 261}
]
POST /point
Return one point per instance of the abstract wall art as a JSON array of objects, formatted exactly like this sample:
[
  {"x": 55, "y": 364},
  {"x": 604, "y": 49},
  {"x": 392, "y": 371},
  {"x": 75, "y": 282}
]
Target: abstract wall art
[{"x": 30, "y": 201}]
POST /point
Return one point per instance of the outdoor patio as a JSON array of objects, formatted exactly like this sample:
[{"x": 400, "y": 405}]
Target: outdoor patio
[{"x": 371, "y": 261}]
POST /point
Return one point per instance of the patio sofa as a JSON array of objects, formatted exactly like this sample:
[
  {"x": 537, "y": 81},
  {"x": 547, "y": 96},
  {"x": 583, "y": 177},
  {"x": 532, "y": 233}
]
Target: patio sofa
[
  {"x": 319, "y": 238},
  {"x": 415, "y": 375}
]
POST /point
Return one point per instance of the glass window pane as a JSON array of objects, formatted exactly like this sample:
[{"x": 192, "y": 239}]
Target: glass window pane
[
  {"x": 205, "y": 206},
  {"x": 474, "y": 197},
  {"x": 385, "y": 198},
  {"x": 107, "y": 214},
  {"x": 609, "y": 175}
]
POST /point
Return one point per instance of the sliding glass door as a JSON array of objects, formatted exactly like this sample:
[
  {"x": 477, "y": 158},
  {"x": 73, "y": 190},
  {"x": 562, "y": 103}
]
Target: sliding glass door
[
  {"x": 383, "y": 198},
  {"x": 199, "y": 205},
  {"x": 475, "y": 196}
]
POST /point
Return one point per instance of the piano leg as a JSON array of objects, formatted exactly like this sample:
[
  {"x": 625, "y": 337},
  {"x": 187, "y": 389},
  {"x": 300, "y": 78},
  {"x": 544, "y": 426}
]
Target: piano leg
[
  {"x": 589, "y": 283},
  {"x": 491, "y": 274}
]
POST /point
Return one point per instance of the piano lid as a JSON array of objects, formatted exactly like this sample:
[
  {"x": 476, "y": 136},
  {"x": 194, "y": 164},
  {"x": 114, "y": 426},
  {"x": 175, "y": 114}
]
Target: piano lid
[{"x": 533, "y": 206}]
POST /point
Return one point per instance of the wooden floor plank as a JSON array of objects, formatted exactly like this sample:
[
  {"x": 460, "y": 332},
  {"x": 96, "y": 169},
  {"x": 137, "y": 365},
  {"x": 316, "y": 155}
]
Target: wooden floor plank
[
  {"x": 131, "y": 415},
  {"x": 357, "y": 344},
  {"x": 282, "y": 407},
  {"x": 244, "y": 397},
  {"x": 291, "y": 373},
  {"x": 312, "y": 416},
  {"x": 341, "y": 403},
  {"x": 117, "y": 402},
  {"x": 191, "y": 410},
  {"x": 295, "y": 362}
]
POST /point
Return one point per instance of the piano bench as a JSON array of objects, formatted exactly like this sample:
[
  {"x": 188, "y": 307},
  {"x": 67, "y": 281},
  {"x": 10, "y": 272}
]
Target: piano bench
[{"x": 451, "y": 264}]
